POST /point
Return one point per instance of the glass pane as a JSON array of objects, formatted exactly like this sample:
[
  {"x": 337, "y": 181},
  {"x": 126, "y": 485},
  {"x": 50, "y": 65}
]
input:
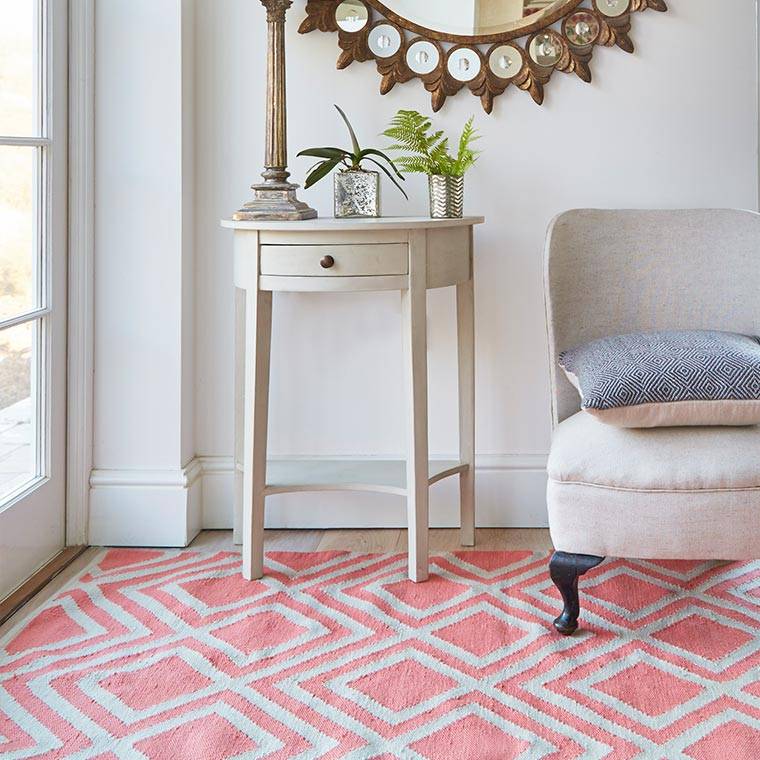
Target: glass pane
[
  {"x": 18, "y": 68},
  {"x": 18, "y": 416},
  {"x": 18, "y": 222}
]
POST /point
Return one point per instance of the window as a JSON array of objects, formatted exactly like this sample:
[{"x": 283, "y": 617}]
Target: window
[
  {"x": 33, "y": 263},
  {"x": 24, "y": 227}
]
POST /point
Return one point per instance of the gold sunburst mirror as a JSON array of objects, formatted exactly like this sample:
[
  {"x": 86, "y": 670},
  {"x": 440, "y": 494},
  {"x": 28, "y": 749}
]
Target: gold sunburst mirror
[{"x": 483, "y": 45}]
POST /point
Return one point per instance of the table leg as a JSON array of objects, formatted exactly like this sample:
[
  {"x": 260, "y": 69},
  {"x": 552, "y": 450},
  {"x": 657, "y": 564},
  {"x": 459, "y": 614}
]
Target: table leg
[
  {"x": 258, "y": 341},
  {"x": 466, "y": 345},
  {"x": 237, "y": 521},
  {"x": 414, "y": 307}
]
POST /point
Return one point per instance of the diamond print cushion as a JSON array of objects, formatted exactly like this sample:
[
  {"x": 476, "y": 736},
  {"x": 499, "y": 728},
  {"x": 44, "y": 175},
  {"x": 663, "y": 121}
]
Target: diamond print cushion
[{"x": 665, "y": 379}]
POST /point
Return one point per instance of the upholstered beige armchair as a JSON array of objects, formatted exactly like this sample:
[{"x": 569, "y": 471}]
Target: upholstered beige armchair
[{"x": 663, "y": 493}]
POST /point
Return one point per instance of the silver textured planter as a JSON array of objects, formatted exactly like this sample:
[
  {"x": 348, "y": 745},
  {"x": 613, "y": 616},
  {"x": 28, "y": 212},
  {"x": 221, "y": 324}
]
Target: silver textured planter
[
  {"x": 357, "y": 193},
  {"x": 446, "y": 196}
]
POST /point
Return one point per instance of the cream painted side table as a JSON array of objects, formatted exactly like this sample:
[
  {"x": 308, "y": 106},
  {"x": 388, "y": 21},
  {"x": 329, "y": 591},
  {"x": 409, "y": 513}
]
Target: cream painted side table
[{"x": 407, "y": 254}]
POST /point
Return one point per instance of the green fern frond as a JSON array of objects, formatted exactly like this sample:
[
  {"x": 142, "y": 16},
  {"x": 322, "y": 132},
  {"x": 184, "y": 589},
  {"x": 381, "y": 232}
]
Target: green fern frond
[
  {"x": 439, "y": 151},
  {"x": 413, "y": 165},
  {"x": 466, "y": 156},
  {"x": 409, "y": 129},
  {"x": 410, "y": 132}
]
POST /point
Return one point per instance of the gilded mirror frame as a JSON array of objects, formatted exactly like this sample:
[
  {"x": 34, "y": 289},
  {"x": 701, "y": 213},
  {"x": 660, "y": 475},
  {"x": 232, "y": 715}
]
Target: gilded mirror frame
[{"x": 525, "y": 54}]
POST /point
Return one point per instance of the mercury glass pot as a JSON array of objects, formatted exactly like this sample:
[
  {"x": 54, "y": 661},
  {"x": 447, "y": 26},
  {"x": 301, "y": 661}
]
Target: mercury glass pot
[{"x": 357, "y": 193}]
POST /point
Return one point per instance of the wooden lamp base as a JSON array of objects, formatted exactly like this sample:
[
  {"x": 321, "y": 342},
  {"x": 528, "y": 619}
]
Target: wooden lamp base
[{"x": 275, "y": 202}]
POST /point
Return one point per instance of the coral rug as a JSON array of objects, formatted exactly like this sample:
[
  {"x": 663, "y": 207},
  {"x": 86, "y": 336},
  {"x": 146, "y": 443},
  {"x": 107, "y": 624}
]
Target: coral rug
[{"x": 170, "y": 654}]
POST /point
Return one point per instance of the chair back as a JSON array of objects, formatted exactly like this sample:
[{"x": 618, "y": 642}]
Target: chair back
[{"x": 615, "y": 272}]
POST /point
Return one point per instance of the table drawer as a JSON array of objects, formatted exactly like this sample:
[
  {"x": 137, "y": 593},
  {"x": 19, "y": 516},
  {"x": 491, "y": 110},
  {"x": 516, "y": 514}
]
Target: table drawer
[{"x": 334, "y": 260}]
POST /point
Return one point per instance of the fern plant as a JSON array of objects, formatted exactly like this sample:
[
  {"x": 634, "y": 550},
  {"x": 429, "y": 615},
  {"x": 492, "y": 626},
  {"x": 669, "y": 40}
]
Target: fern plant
[
  {"x": 349, "y": 160},
  {"x": 428, "y": 151}
]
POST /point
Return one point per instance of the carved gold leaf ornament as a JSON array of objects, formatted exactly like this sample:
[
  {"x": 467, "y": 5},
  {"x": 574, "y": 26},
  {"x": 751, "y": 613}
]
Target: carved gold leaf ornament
[{"x": 559, "y": 39}]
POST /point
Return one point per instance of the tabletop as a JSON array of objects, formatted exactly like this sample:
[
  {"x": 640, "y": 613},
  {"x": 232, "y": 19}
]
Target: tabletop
[{"x": 364, "y": 224}]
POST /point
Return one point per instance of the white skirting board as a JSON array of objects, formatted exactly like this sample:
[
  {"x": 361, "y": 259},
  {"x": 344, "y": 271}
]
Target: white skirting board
[
  {"x": 146, "y": 507},
  {"x": 170, "y": 507},
  {"x": 510, "y": 493}
]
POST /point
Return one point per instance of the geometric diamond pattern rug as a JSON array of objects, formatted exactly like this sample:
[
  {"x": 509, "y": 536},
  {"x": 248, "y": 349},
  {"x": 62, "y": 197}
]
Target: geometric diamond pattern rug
[{"x": 170, "y": 654}]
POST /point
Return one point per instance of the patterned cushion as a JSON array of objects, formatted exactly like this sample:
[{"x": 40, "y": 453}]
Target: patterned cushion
[{"x": 660, "y": 379}]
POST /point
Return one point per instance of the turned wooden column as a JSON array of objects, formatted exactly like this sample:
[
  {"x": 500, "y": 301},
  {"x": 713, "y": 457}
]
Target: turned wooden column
[
  {"x": 275, "y": 198},
  {"x": 276, "y": 156}
]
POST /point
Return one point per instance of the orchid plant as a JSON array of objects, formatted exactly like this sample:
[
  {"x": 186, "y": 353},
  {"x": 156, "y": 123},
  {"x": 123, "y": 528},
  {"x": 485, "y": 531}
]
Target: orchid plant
[{"x": 350, "y": 160}]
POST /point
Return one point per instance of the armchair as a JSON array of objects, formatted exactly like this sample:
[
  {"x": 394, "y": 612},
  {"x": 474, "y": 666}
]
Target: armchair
[{"x": 662, "y": 493}]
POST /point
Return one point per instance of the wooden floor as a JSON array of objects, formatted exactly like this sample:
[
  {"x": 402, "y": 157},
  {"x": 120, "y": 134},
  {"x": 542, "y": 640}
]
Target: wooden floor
[{"x": 381, "y": 541}]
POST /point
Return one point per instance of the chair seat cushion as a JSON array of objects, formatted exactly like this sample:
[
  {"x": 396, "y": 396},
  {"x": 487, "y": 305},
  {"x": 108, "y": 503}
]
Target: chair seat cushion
[
  {"x": 684, "y": 459},
  {"x": 675, "y": 493}
]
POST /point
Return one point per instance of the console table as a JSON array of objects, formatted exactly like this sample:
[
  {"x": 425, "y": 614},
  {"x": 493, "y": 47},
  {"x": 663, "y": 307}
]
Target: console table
[{"x": 407, "y": 254}]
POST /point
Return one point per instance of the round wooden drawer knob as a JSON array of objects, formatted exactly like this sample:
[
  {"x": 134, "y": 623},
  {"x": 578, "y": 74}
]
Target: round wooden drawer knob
[{"x": 326, "y": 262}]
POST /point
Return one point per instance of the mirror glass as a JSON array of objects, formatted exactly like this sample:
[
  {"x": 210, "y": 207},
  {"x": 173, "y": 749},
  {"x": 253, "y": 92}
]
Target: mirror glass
[
  {"x": 471, "y": 18},
  {"x": 506, "y": 61},
  {"x": 384, "y": 40},
  {"x": 351, "y": 15},
  {"x": 545, "y": 49},
  {"x": 422, "y": 57},
  {"x": 463, "y": 64}
]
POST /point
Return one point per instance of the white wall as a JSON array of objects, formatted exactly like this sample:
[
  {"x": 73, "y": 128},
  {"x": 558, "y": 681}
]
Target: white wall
[
  {"x": 672, "y": 125},
  {"x": 666, "y": 127}
]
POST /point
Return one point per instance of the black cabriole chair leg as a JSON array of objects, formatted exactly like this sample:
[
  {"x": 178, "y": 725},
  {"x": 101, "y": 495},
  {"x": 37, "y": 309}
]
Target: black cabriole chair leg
[{"x": 565, "y": 569}]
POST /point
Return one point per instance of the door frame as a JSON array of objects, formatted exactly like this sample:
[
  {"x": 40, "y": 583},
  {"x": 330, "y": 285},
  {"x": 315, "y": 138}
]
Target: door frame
[{"x": 81, "y": 280}]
